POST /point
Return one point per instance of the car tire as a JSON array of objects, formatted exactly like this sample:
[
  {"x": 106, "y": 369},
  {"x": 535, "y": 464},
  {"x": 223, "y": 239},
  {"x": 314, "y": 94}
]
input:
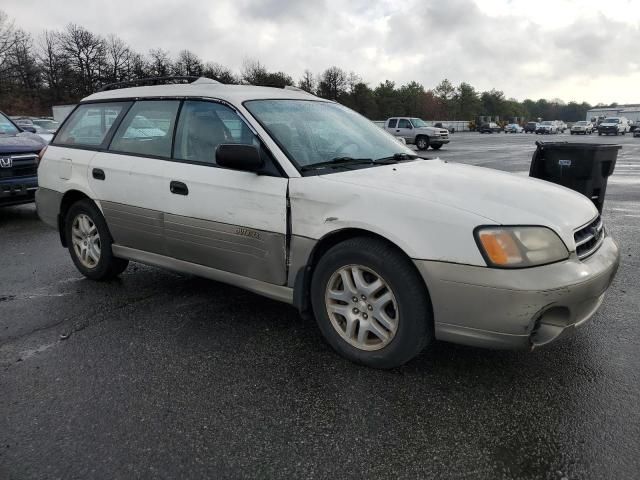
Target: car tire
[
  {"x": 437, "y": 147},
  {"x": 422, "y": 142},
  {"x": 407, "y": 304},
  {"x": 89, "y": 242}
]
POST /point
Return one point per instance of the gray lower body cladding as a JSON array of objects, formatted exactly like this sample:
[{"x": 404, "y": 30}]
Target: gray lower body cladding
[
  {"x": 495, "y": 308},
  {"x": 48, "y": 205},
  {"x": 251, "y": 253}
]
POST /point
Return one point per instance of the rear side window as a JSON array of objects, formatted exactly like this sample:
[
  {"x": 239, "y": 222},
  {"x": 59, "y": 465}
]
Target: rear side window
[
  {"x": 205, "y": 125},
  {"x": 147, "y": 129},
  {"x": 393, "y": 122},
  {"x": 404, "y": 123},
  {"x": 90, "y": 124}
]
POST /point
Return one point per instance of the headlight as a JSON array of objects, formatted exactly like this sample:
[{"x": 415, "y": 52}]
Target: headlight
[{"x": 520, "y": 247}]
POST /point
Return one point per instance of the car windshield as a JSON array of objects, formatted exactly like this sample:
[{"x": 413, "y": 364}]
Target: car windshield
[
  {"x": 547, "y": 123},
  {"x": 6, "y": 127},
  {"x": 581, "y": 123},
  {"x": 419, "y": 123},
  {"x": 48, "y": 124},
  {"x": 611, "y": 120},
  {"x": 312, "y": 132}
]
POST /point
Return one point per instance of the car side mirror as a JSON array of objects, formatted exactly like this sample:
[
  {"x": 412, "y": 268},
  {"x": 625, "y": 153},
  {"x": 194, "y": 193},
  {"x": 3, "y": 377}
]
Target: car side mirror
[
  {"x": 239, "y": 157},
  {"x": 410, "y": 127},
  {"x": 28, "y": 129}
]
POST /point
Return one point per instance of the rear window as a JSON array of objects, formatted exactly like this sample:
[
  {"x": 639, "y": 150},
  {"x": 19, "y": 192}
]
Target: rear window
[
  {"x": 90, "y": 124},
  {"x": 393, "y": 122},
  {"x": 147, "y": 129}
]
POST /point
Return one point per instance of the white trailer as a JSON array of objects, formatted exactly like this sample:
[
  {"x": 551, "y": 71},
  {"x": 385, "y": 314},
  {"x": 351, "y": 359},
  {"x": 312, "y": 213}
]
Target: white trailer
[{"x": 60, "y": 112}]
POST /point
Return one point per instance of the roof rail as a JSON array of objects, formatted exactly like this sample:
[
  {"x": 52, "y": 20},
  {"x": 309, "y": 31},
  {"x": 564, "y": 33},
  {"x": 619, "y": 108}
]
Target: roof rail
[{"x": 179, "y": 79}]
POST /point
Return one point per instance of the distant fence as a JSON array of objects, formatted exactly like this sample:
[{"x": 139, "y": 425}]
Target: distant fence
[{"x": 457, "y": 125}]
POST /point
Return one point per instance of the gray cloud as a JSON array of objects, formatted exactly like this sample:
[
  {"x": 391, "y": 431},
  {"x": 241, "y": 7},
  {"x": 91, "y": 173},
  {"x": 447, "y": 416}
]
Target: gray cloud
[{"x": 402, "y": 41}]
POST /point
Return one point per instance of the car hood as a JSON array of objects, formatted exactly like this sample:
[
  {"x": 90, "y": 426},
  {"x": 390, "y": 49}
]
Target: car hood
[
  {"x": 432, "y": 130},
  {"x": 609, "y": 124},
  {"x": 21, "y": 142},
  {"x": 495, "y": 197}
]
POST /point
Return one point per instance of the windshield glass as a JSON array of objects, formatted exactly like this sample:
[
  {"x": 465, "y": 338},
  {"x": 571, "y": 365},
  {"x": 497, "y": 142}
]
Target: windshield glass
[
  {"x": 418, "y": 123},
  {"x": 312, "y": 132},
  {"x": 547, "y": 123},
  {"x": 611, "y": 120},
  {"x": 48, "y": 124},
  {"x": 581, "y": 123},
  {"x": 6, "y": 127}
]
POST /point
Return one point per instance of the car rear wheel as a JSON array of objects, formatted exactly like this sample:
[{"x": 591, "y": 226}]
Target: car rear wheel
[
  {"x": 422, "y": 143},
  {"x": 371, "y": 304},
  {"x": 89, "y": 242}
]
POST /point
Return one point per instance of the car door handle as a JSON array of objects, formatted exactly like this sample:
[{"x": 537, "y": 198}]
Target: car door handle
[
  {"x": 98, "y": 174},
  {"x": 178, "y": 188},
  {"x": 397, "y": 130}
]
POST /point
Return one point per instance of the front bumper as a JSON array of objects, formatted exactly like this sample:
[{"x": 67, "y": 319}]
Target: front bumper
[
  {"x": 17, "y": 190},
  {"x": 517, "y": 309},
  {"x": 438, "y": 140}
]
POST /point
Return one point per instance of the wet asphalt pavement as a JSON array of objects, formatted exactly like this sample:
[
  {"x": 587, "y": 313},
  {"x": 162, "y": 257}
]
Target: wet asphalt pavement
[{"x": 165, "y": 376}]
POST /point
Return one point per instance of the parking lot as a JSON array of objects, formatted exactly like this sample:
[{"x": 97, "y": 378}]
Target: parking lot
[{"x": 162, "y": 375}]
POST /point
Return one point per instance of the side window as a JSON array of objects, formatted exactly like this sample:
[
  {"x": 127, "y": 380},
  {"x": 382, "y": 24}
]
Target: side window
[
  {"x": 404, "y": 123},
  {"x": 89, "y": 124},
  {"x": 393, "y": 122},
  {"x": 205, "y": 125},
  {"x": 147, "y": 129}
]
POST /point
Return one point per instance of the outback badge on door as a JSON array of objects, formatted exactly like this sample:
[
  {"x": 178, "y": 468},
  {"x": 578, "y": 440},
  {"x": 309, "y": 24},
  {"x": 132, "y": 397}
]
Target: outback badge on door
[{"x": 6, "y": 162}]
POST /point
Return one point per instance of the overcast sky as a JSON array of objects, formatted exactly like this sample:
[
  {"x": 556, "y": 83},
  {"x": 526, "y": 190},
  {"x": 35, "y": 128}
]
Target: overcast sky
[{"x": 573, "y": 50}]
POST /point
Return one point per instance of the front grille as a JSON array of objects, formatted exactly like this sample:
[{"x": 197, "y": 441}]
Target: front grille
[
  {"x": 588, "y": 239},
  {"x": 23, "y": 165}
]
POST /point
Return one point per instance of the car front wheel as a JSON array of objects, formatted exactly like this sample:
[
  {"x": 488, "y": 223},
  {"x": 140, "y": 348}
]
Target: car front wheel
[
  {"x": 437, "y": 147},
  {"x": 89, "y": 242},
  {"x": 422, "y": 143},
  {"x": 371, "y": 304}
]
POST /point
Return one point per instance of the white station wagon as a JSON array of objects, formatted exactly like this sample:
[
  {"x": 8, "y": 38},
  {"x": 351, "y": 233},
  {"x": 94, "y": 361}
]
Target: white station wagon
[{"x": 305, "y": 201}]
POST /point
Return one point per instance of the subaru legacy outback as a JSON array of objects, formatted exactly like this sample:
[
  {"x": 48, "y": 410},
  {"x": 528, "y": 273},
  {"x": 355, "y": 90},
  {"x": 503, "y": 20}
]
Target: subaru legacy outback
[{"x": 305, "y": 201}]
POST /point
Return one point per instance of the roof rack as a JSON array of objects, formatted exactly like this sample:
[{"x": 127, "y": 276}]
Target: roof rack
[{"x": 180, "y": 79}]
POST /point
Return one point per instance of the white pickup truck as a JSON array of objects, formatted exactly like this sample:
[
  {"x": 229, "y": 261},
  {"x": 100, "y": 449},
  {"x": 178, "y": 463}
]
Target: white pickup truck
[{"x": 416, "y": 131}]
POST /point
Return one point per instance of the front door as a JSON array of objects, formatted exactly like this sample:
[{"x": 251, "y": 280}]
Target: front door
[
  {"x": 405, "y": 129},
  {"x": 225, "y": 219}
]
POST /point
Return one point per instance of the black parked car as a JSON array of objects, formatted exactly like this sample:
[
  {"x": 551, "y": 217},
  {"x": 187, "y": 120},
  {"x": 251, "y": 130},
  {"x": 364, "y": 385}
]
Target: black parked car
[
  {"x": 18, "y": 163},
  {"x": 530, "y": 127},
  {"x": 490, "y": 128}
]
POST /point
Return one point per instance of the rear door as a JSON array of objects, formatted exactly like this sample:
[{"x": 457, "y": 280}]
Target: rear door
[
  {"x": 87, "y": 131},
  {"x": 230, "y": 220},
  {"x": 129, "y": 177}
]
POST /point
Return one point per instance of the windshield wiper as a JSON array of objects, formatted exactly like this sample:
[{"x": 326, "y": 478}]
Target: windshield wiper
[
  {"x": 337, "y": 162},
  {"x": 395, "y": 158}
]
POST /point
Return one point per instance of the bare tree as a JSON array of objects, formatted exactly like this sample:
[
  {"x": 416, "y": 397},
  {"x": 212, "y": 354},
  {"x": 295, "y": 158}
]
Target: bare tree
[
  {"x": 86, "y": 54},
  {"x": 307, "y": 82},
  {"x": 160, "y": 63},
  {"x": 117, "y": 55},
  {"x": 22, "y": 63},
  {"x": 188, "y": 63},
  {"x": 7, "y": 37},
  {"x": 333, "y": 83},
  {"x": 253, "y": 72},
  {"x": 219, "y": 72}
]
